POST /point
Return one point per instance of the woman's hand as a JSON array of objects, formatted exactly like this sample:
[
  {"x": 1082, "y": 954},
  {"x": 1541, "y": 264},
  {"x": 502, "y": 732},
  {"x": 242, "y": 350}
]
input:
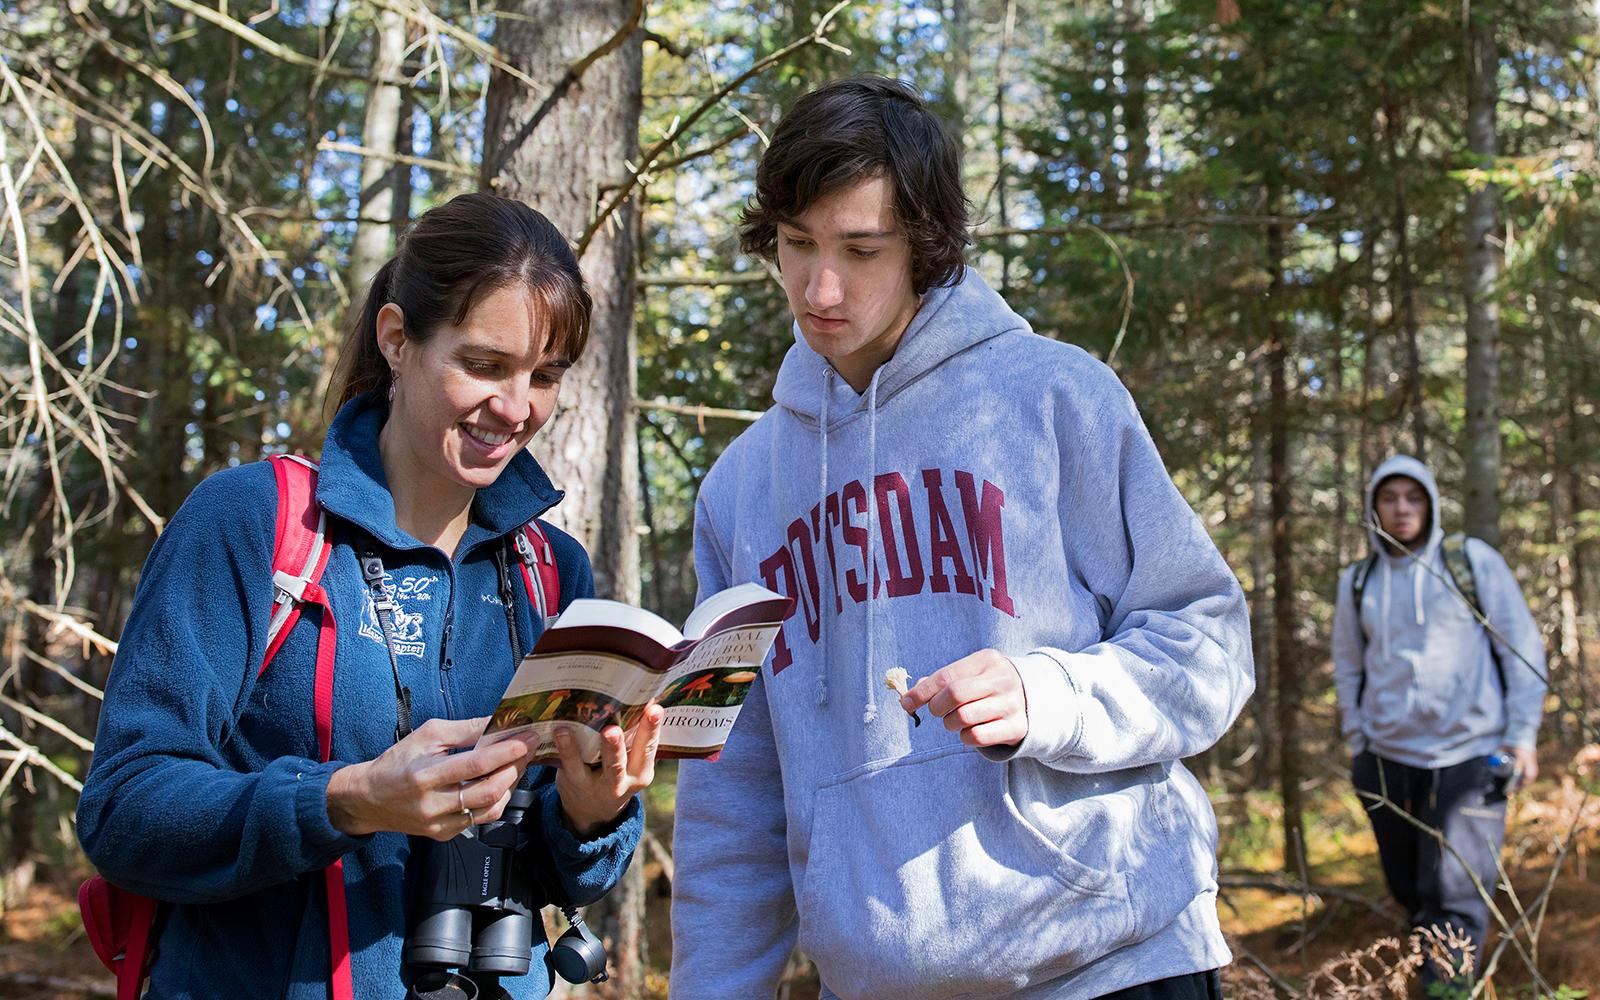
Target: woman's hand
[
  {"x": 419, "y": 787},
  {"x": 593, "y": 796}
]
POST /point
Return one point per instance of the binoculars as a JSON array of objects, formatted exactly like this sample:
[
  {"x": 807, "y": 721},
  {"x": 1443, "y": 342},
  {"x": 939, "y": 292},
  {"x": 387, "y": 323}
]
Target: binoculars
[{"x": 479, "y": 903}]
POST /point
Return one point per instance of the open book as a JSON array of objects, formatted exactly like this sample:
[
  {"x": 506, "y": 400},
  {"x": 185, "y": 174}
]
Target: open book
[{"x": 601, "y": 662}]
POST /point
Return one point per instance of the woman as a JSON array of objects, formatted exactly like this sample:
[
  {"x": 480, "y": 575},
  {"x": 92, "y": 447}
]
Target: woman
[{"x": 207, "y": 787}]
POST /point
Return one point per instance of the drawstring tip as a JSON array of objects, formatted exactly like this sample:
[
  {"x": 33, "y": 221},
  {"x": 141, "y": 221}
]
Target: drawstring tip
[
  {"x": 869, "y": 715},
  {"x": 822, "y": 690}
]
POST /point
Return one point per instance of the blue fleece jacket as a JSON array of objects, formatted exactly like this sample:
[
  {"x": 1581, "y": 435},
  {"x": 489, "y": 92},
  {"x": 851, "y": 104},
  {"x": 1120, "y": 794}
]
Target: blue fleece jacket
[
  {"x": 991, "y": 488},
  {"x": 205, "y": 788}
]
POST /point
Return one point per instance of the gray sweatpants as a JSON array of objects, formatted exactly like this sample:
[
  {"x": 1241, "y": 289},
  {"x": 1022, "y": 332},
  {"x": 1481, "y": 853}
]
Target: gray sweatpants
[{"x": 1465, "y": 803}]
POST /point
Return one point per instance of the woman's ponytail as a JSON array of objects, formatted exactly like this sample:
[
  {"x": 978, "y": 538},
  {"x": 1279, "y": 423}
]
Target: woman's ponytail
[{"x": 361, "y": 366}]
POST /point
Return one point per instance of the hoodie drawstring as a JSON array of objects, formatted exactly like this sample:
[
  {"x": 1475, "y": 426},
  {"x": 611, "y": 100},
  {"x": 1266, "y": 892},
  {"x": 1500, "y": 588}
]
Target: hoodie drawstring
[
  {"x": 872, "y": 546},
  {"x": 822, "y": 512},
  {"x": 1416, "y": 591},
  {"x": 1383, "y": 614},
  {"x": 1418, "y": 613}
]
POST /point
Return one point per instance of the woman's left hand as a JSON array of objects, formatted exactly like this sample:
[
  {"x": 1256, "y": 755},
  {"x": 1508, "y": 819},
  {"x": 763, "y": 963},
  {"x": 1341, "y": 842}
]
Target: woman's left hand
[{"x": 593, "y": 796}]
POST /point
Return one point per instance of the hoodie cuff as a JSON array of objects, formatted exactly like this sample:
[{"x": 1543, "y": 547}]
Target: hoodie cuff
[
  {"x": 1054, "y": 717},
  {"x": 1522, "y": 737}
]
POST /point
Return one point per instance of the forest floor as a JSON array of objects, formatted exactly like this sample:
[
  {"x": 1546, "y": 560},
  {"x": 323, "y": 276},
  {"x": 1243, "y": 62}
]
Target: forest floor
[{"x": 1277, "y": 931}]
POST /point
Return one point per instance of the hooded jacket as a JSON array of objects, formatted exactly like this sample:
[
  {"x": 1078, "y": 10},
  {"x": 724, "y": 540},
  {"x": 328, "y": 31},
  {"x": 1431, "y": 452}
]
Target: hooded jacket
[
  {"x": 990, "y": 488},
  {"x": 205, "y": 789},
  {"x": 1432, "y": 695}
]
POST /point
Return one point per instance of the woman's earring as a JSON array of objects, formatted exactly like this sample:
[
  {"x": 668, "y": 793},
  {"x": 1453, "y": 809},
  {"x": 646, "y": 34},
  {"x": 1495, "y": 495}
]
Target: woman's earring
[{"x": 394, "y": 380}]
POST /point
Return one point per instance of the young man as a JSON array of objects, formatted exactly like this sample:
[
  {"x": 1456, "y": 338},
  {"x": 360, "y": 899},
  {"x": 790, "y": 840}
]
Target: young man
[
  {"x": 1427, "y": 694},
  {"x": 945, "y": 492}
]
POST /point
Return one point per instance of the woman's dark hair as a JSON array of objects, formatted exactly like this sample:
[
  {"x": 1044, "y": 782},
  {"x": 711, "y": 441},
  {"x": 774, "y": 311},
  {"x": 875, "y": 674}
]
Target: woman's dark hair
[
  {"x": 852, "y": 130},
  {"x": 449, "y": 260}
]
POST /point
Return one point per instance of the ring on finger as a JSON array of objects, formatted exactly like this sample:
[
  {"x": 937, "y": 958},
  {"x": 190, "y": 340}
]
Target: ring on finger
[{"x": 461, "y": 797}]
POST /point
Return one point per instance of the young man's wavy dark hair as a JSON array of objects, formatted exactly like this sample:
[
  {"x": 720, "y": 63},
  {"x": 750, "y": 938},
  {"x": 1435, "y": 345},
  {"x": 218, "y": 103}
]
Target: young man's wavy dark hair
[{"x": 852, "y": 130}]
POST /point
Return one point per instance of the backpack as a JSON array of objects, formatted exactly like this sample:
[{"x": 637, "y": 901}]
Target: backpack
[
  {"x": 121, "y": 924},
  {"x": 1458, "y": 566}
]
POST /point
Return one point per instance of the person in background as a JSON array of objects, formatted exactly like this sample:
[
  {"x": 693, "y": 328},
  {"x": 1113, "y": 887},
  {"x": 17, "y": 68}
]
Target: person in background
[{"x": 1432, "y": 703}]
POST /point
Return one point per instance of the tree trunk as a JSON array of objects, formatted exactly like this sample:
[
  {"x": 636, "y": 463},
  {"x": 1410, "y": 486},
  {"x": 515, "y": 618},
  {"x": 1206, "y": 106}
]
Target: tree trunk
[
  {"x": 1283, "y": 603},
  {"x": 378, "y": 133},
  {"x": 404, "y": 145},
  {"x": 958, "y": 69},
  {"x": 1341, "y": 441},
  {"x": 1260, "y": 549},
  {"x": 1368, "y": 447},
  {"x": 1000, "y": 141},
  {"x": 1577, "y": 550},
  {"x": 1482, "y": 472},
  {"x": 1404, "y": 282},
  {"x": 584, "y": 143}
]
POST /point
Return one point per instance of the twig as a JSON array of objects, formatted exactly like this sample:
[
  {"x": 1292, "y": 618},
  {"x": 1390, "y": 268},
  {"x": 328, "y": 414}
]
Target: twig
[
  {"x": 35, "y": 757},
  {"x": 663, "y": 855},
  {"x": 696, "y": 410},
  {"x": 59, "y": 728},
  {"x": 257, "y": 40},
  {"x": 373, "y": 154},
  {"x": 704, "y": 280}
]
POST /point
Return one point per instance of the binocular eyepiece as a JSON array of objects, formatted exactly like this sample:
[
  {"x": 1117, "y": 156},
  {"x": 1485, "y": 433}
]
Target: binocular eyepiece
[{"x": 478, "y": 907}]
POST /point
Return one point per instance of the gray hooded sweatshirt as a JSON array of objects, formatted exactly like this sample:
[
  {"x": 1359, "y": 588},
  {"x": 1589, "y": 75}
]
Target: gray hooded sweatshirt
[
  {"x": 1433, "y": 696},
  {"x": 990, "y": 488}
]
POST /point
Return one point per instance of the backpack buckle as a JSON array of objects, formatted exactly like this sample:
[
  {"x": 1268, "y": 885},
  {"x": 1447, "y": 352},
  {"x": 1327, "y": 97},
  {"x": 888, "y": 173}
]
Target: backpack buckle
[{"x": 525, "y": 548}]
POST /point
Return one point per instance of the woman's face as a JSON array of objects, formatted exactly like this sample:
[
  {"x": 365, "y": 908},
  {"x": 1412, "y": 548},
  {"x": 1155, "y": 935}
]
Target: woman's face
[{"x": 471, "y": 396}]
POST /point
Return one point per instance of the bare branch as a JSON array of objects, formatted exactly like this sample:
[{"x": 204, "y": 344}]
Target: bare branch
[
  {"x": 704, "y": 280},
  {"x": 274, "y": 49},
  {"x": 414, "y": 161},
  {"x": 35, "y": 757},
  {"x": 697, "y": 411}
]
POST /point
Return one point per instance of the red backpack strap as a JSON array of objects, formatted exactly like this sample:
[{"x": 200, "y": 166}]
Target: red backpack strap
[
  {"x": 300, "y": 551},
  {"x": 300, "y": 546},
  {"x": 540, "y": 576},
  {"x": 118, "y": 924}
]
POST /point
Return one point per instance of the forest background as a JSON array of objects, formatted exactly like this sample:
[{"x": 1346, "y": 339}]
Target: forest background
[{"x": 1305, "y": 235}]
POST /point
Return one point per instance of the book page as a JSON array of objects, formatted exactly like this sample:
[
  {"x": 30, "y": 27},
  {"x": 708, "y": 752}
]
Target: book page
[
  {"x": 702, "y": 618},
  {"x": 587, "y": 611}
]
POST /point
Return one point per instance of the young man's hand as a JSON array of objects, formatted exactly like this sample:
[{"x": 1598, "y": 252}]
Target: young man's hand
[{"x": 980, "y": 696}]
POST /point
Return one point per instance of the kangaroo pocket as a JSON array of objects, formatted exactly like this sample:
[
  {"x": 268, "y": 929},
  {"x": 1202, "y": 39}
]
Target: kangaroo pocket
[{"x": 925, "y": 880}]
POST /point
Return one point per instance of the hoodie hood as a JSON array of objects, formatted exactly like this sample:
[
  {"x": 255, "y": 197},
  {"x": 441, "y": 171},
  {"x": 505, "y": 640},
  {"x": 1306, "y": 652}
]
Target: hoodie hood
[
  {"x": 1404, "y": 465},
  {"x": 1416, "y": 561},
  {"x": 950, "y": 320}
]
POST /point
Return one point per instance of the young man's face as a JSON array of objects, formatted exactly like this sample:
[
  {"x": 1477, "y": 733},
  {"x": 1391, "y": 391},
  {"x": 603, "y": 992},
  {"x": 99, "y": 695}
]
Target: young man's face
[
  {"x": 847, "y": 273},
  {"x": 1402, "y": 506}
]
